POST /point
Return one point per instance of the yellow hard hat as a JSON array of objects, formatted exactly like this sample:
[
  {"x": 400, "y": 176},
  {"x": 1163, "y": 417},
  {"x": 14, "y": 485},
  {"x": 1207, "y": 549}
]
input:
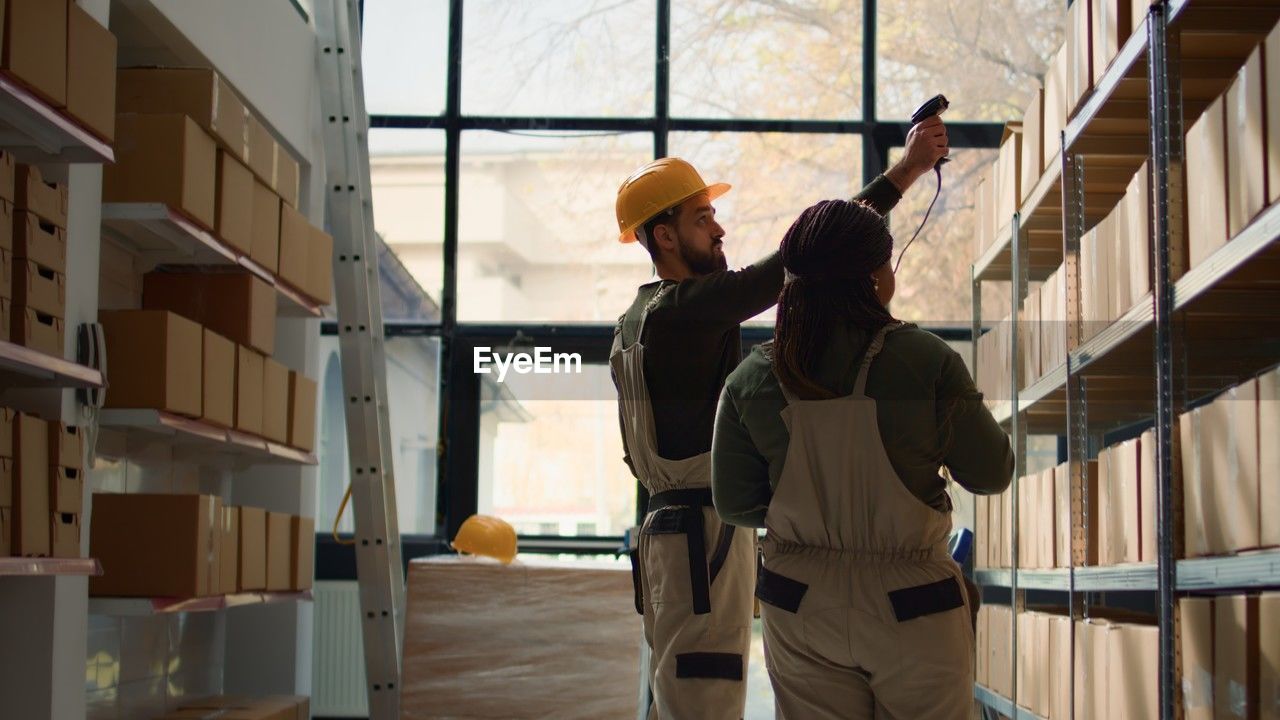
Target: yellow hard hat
[
  {"x": 660, "y": 185},
  {"x": 487, "y": 535}
]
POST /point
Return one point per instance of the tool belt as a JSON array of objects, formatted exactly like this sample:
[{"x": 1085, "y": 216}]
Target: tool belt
[{"x": 679, "y": 512}]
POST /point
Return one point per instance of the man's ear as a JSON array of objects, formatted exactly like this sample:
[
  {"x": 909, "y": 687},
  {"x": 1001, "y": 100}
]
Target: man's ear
[{"x": 662, "y": 236}]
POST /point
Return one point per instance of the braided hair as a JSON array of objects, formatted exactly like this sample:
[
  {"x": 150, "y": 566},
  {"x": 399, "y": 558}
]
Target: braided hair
[{"x": 829, "y": 252}]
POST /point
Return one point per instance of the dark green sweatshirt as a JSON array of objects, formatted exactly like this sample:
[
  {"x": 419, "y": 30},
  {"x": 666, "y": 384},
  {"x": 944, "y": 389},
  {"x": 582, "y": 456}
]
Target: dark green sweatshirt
[
  {"x": 917, "y": 381},
  {"x": 692, "y": 339}
]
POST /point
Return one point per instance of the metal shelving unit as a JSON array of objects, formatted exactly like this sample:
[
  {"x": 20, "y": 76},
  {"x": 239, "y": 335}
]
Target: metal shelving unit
[
  {"x": 160, "y": 235},
  {"x": 203, "y": 442},
  {"x": 1002, "y": 704},
  {"x": 40, "y": 566},
  {"x": 36, "y": 133},
  {"x": 22, "y": 367},
  {"x": 1199, "y": 331},
  {"x": 143, "y": 607}
]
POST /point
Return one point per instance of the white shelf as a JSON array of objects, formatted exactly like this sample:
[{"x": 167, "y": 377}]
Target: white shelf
[
  {"x": 136, "y": 607},
  {"x": 23, "y": 367},
  {"x": 1248, "y": 570},
  {"x": 34, "y": 567},
  {"x": 36, "y": 133},
  {"x": 200, "y": 441},
  {"x": 160, "y": 235}
]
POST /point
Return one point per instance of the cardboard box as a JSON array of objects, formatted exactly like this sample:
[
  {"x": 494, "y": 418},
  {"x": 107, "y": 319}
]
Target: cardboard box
[
  {"x": 219, "y": 373},
  {"x": 66, "y": 491},
  {"x": 280, "y": 539},
  {"x": 8, "y": 180},
  {"x": 163, "y": 370},
  {"x": 199, "y": 93},
  {"x": 1269, "y": 456},
  {"x": 234, "y": 203},
  {"x": 1134, "y": 665},
  {"x": 66, "y": 446},
  {"x": 1026, "y": 520},
  {"x": 1055, "y": 104},
  {"x": 262, "y": 151},
  {"x": 266, "y": 227},
  {"x": 295, "y": 246},
  {"x": 1062, "y": 511},
  {"x": 91, "y": 73},
  {"x": 1196, "y": 615},
  {"x": 6, "y": 431},
  {"x": 253, "y": 549},
  {"x": 1111, "y": 23},
  {"x": 1008, "y": 176},
  {"x": 39, "y": 241},
  {"x": 39, "y": 288},
  {"x": 1032, "y": 159},
  {"x": 30, "y": 487},
  {"x": 1235, "y": 656},
  {"x": 64, "y": 535},
  {"x": 1060, "y": 677},
  {"x": 250, "y": 372},
  {"x": 1230, "y": 478},
  {"x": 1247, "y": 163},
  {"x": 1125, "y": 475},
  {"x": 302, "y": 412},
  {"x": 35, "y": 47},
  {"x": 302, "y": 552},
  {"x": 1080, "y": 54},
  {"x": 1148, "y": 499},
  {"x": 163, "y": 159},
  {"x": 275, "y": 401},
  {"x": 1119, "y": 294},
  {"x": 6, "y": 482},
  {"x": 1194, "y": 491},
  {"x": 32, "y": 193},
  {"x": 1092, "y": 685},
  {"x": 6, "y": 276},
  {"x": 1089, "y": 536},
  {"x": 229, "y": 550},
  {"x": 1047, "y": 533},
  {"x": 1269, "y": 656},
  {"x": 39, "y": 331},
  {"x": 1207, "y": 183},
  {"x": 153, "y": 545},
  {"x": 235, "y": 304},
  {"x": 287, "y": 177},
  {"x": 1108, "y": 499},
  {"x": 1271, "y": 56},
  {"x": 1137, "y": 215},
  {"x": 6, "y": 218},
  {"x": 320, "y": 267}
]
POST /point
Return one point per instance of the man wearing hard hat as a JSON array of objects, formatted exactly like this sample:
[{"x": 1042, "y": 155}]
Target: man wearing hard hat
[{"x": 672, "y": 351}]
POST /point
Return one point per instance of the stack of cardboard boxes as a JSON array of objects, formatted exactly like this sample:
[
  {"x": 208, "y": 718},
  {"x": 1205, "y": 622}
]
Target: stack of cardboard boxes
[
  {"x": 208, "y": 336},
  {"x": 1225, "y": 446},
  {"x": 1045, "y": 524},
  {"x": 189, "y": 142},
  {"x": 1233, "y": 155},
  {"x": 1115, "y": 259},
  {"x": 1127, "y": 502},
  {"x": 1230, "y": 656},
  {"x": 65, "y": 57},
  {"x": 153, "y": 545},
  {"x": 41, "y": 487},
  {"x": 38, "y": 241},
  {"x": 227, "y": 707}
]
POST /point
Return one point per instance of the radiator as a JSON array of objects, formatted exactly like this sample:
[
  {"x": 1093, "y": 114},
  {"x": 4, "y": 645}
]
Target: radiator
[{"x": 337, "y": 684}]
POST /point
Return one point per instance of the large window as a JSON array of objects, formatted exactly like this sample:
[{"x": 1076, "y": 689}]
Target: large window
[{"x": 502, "y": 133}]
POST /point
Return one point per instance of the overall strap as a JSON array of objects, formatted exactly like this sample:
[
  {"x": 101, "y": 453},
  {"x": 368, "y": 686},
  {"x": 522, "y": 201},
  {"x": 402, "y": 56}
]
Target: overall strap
[
  {"x": 877, "y": 342},
  {"x": 653, "y": 301}
]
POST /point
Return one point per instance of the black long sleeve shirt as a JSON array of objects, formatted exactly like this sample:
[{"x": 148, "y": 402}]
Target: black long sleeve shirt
[{"x": 692, "y": 339}]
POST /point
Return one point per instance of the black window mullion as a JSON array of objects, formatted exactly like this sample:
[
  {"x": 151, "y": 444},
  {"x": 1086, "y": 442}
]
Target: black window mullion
[
  {"x": 872, "y": 155},
  {"x": 662, "y": 81}
]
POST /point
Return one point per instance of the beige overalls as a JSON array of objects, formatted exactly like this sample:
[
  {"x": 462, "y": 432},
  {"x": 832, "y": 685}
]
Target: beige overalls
[
  {"x": 694, "y": 572},
  {"x": 865, "y": 614}
]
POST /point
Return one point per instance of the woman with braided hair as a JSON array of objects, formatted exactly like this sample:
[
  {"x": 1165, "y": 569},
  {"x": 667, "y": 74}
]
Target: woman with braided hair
[{"x": 832, "y": 438}]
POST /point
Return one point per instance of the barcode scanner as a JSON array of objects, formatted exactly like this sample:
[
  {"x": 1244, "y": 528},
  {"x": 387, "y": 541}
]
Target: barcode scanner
[{"x": 935, "y": 105}]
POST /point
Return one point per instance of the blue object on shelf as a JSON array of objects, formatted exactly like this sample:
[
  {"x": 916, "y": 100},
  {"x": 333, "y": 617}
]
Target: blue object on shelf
[{"x": 961, "y": 541}]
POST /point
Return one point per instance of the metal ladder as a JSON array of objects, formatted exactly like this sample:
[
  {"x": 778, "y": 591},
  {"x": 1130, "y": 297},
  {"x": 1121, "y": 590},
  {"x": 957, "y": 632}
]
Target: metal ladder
[{"x": 349, "y": 210}]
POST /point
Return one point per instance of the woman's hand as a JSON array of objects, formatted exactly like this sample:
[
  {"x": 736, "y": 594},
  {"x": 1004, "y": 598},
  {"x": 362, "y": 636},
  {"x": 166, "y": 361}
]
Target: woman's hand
[{"x": 926, "y": 145}]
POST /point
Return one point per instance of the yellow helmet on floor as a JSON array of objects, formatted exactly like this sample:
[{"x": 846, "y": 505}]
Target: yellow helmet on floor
[
  {"x": 660, "y": 185},
  {"x": 488, "y": 536}
]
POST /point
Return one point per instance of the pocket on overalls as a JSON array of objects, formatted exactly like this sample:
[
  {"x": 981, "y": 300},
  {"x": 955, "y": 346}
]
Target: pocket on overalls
[
  {"x": 665, "y": 527},
  {"x": 931, "y": 598}
]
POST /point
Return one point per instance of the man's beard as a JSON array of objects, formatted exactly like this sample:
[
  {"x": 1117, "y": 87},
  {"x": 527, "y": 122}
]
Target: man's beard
[{"x": 701, "y": 263}]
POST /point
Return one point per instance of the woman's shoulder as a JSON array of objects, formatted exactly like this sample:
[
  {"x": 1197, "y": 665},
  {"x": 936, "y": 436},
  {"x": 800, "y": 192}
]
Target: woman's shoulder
[{"x": 755, "y": 370}]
